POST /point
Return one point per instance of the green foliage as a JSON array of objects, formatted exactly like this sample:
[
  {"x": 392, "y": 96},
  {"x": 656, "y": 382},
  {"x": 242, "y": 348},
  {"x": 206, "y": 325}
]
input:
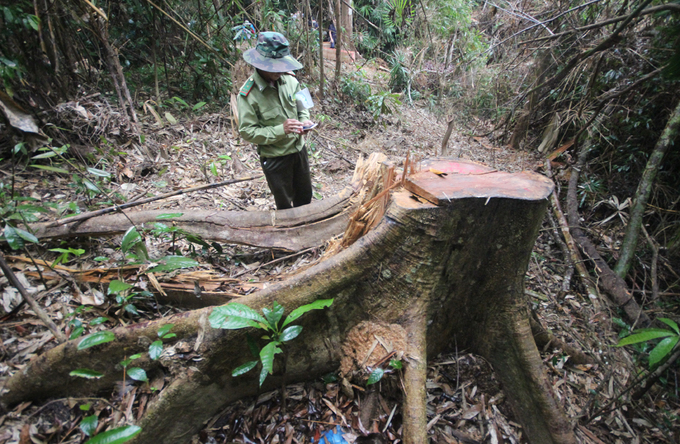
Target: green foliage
[
  {"x": 119, "y": 435},
  {"x": 138, "y": 374},
  {"x": 664, "y": 348},
  {"x": 375, "y": 376},
  {"x": 17, "y": 18},
  {"x": 181, "y": 105},
  {"x": 116, "y": 436},
  {"x": 133, "y": 245},
  {"x": 453, "y": 19},
  {"x": 356, "y": 87},
  {"x": 171, "y": 263},
  {"x": 399, "y": 78},
  {"x": 77, "y": 326},
  {"x": 235, "y": 316},
  {"x": 89, "y": 424},
  {"x": 125, "y": 298},
  {"x": 590, "y": 189},
  {"x": 382, "y": 103},
  {"x": 100, "y": 337},
  {"x": 398, "y": 13},
  {"x": 65, "y": 253},
  {"x": 378, "y": 373},
  {"x": 15, "y": 210},
  {"x": 221, "y": 162},
  {"x": 86, "y": 373}
]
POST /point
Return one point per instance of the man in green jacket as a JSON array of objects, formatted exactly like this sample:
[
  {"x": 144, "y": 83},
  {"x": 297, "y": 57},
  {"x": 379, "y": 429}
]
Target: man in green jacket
[{"x": 269, "y": 118}]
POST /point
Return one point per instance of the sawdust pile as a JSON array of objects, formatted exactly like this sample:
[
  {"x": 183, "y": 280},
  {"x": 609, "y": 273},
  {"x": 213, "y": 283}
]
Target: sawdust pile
[{"x": 369, "y": 344}]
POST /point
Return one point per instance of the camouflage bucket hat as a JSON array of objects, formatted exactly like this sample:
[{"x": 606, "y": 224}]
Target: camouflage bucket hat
[{"x": 271, "y": 54}]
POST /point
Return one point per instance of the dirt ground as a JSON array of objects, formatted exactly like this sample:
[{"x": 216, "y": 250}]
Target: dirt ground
[{"x": 465, "y": 401}]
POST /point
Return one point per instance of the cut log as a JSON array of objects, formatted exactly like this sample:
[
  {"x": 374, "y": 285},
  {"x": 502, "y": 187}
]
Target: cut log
[
  {"x": 286, "y": 230},
  {"x": 443, "y": 273}
]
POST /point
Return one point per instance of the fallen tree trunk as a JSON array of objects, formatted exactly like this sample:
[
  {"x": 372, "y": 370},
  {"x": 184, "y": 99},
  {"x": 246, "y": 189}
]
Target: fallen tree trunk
[
  {"x": 445, "y": 263},
  {"x": 287, "y": 230}
]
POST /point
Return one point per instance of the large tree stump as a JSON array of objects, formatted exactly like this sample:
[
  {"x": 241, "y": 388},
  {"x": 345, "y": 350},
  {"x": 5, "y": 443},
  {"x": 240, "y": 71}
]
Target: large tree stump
[{"x": 450, "y": 267}]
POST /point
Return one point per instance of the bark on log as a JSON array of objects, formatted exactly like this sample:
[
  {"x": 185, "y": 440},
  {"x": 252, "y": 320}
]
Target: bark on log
[
  {"x": 457, "y": 260},
  {"x": 288, "y": 230}
]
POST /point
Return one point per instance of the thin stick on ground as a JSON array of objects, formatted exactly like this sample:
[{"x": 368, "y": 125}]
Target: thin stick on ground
[
  {"x": 91, "y": 214},
  {"x": 11, "y": 277},
  {"x": 275, "y": 261}
]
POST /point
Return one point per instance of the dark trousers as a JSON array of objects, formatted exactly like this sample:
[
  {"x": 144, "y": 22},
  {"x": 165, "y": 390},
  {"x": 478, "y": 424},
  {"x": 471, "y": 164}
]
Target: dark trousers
[{"x": 288, "y": 179}]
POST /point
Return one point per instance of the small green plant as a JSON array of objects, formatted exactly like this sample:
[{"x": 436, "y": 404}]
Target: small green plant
[
  {"x": 664, "y": 348},
  {"x": 77, "y": 326},
  {"x": 181, "y": 104},
  {"x": 399, "y": 78},
  {"x": 102, "y": 337},
  {"x": 13, "y": 211},
  {"x": 124, "y": 297},
  {"x": 135, "y": 373},
  {"x": 383, "y": 103},
  {"x": 119, "y": 435},
  {"x": 323, "y": 118},
  {"x": 356, "y": 87},
  {"x": 276, "y": 329},
  {"x": 378, "y": 373},
  {"x": 162, "y": 231},
  {"x": 220, "y": 162},
  {"x": 49, "y": 152},
  {"x": 134, "y": 247},
  {"x": 65, "y": 253},
  {"x": 156, "y": 347},
  {"x": 87, "y": 187}
]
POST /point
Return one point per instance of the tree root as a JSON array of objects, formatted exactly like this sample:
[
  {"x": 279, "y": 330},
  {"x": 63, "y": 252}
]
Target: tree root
[{"x": 545, "y": 338}]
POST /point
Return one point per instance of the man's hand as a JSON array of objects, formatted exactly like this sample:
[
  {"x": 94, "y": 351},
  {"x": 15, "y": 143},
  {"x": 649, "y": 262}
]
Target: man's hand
[
  {"x": 292, "y": 126},
  {"x": 307, "y": 123}
]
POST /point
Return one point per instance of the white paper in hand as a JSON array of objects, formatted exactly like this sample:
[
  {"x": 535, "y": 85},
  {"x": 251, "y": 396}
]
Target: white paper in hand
[{"x": 303, "y": 100}]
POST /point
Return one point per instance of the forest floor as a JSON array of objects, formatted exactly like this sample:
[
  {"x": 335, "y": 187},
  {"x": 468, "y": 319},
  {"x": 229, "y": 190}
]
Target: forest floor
[{"x": 465, "y": 401}]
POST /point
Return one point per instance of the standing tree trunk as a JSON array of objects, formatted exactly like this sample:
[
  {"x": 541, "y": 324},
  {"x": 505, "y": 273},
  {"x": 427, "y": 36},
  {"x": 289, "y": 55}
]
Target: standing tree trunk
[
  {"x": 116, "y": 71},
  {"x": 338, "y": 42},
  {"x": 669, "y": 135},
  {"x": 445, "y": 265},
  {"x": 347, "y": 24},
  {"x": 321, "y": 67}
]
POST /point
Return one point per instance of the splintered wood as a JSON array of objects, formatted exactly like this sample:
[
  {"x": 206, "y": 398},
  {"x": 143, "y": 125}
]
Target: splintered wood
[
  {"x": 377, "y": 178},
  {"x": 197, "y": 284}
]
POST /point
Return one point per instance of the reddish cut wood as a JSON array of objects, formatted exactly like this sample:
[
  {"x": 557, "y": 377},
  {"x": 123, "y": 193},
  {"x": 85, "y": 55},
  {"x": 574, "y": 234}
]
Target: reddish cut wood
[{"x": 467, "y": 179}]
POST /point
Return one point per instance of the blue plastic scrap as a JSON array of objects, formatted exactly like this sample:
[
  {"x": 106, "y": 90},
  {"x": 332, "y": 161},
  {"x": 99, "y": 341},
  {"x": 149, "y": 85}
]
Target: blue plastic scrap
[{"x": 332, "y": 437}]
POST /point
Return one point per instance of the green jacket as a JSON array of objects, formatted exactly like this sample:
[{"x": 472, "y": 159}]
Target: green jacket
[{"x": 262, "y": 110}]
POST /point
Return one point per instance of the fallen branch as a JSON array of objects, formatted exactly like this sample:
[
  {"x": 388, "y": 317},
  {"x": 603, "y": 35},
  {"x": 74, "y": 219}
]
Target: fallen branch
[
  {"x": 605, "y": 44},
  {"x": 653, "y": 10},
  {"x": 612, "y": 284},
  {"x": 341, "y": 143},
  {"x": 14, "y": 281},
  {"x": 275, "y": 261},
  {"x": 575, "y": 256},
  {"x": 654, "y": 376},
  {"x": 90, "y": 214}
]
